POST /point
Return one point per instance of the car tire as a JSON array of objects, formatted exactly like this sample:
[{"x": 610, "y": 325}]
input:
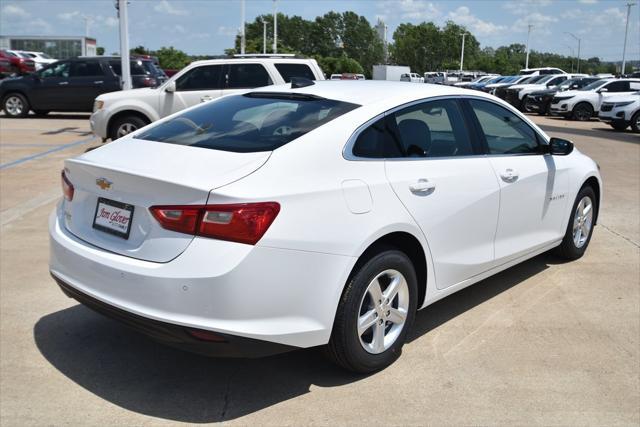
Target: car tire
[
  {"x": 125, "y": 125},
  {"x": 574, "y": 245},
  {"x": 41, "y": 112},
  {"x": 619, "y": 125},
  {"x": 370, "y": 349},
  {"x": 635, "y": 122},
  {"x": 582, "y": 112},
  {"x": 15, "y": 105}
]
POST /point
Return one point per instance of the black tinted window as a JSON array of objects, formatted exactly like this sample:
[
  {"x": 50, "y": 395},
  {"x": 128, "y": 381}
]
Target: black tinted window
[
  {"x": 295, "y": 70},
  {"x": 248, "y": 123},
  {"x": 433, "y": 129},
  {"x": 137, "y": 69},
  {"x": 376, "y": 142},
  {"x": 504, "y": 132},
  {"x": 57, "y": 69},
  {"x": 207, "y": 77},
  {"x": 85, "y": 69},
  {"x": 619, "y": 86},
  {"x": 247, "y": 76}
]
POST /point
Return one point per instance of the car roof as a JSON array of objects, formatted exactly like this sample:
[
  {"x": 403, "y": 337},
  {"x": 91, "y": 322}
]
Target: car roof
[
  {"x": 372, "y": 91},
  {"x": 255, "y": 59}
]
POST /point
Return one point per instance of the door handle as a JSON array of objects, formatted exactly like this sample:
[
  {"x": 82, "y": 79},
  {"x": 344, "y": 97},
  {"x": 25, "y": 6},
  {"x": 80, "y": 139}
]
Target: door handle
[
  {"x": 422, "y": 187},
  {"x": 63, "y": 83},
  {"x": 509, "y": 175},
  {"x": 205, "y": 98},
  {"x": 98, "y": 82}
]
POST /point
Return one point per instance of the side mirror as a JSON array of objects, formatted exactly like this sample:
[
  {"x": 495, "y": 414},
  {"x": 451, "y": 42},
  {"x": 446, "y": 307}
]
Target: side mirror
[
  {"x": 574, "y": 86},
  {"x": 171, "y": 87},
  {"x": 603, "y": 90},
  {"x": 559, "y": 147}
]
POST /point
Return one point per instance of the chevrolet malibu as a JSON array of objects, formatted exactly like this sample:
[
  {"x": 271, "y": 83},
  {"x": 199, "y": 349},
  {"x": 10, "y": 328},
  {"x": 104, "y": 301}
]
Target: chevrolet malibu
[{"x": 314, "y": 214}]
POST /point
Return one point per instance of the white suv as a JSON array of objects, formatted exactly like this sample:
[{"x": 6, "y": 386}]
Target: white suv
[
  {"x": 538, "y": 71},
  {"x": 412, "y": 77},
  {"x": 516, "y": 95},
  {"x": 585, "y": 103},
  {"x": 621, "y": 112},
  {"x": 116, "y": 114}
]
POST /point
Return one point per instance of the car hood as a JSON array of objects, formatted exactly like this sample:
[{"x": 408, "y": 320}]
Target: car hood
[
  {"x": 125, "y": 94},
  {"x": 545, "y": 92}
]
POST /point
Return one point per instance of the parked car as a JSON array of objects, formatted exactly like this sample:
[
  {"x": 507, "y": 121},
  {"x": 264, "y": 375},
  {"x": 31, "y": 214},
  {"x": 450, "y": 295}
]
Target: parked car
[
  {"x": 517, "y": 95},
  {"x": 335, "y": 77},
  {"x": 482, "y": 85},
  {"x": 40, "y": 58},
  {"x": 476, "y": 81},
  {"x": 343, "y": 251},
  {"x": 119, "y": 113},
  {"x": 621, "y": 111},
  {"x": 69, "y": 85},
  {"x": 347, "y": 76},
  {"x": 540, "y": 101},
  {"x": 434, "y": 78},
  {"x": 500, "y": 89},
  {"x": 412, "y": 77},
  {"x": 583, "y": 104},
  {"x": 18, "y": 63},
  {"x": 5, "y": 67},
  {"x": 542, "y": 70}
]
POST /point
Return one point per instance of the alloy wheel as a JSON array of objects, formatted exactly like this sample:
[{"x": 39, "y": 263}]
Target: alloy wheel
[
  {"x": 582, "y": 221},
  {"x": 13, "y": 105},
  {"x": 125, "y": 129},
  {"x": 383, "y": 311}
]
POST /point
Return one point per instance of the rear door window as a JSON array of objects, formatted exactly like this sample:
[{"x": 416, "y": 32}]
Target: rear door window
[
  {"x": 377, "y": 142},
  {"x": 253, "y": 122},
  {"x": 206, "y": 77},
  {"x": 294, "y": 70},
  {"x": 246, "y": 76},
  {"x": 137, "y": 69},
  {"x": 619, "y": 86},
  {"x": 86, "y": 69}
]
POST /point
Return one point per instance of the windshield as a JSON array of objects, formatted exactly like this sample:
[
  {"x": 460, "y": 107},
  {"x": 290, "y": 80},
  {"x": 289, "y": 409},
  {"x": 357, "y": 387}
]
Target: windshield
[
  {"x": 256, "y": 121},
  {"x": 44, "y": 55},
  {"x": 546, "y": 78},
  {"x": 595, "y": 85}
]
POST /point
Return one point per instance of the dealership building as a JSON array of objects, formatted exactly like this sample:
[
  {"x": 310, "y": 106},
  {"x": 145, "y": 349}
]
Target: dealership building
[{"x": 57, "y": 47}]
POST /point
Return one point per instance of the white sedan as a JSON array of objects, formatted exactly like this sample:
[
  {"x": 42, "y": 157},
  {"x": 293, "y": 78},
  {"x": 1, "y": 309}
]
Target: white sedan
[{"x": 323, "y": 214}]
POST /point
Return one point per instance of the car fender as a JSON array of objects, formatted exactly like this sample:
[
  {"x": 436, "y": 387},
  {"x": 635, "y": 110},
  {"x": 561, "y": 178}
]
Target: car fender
[
  {"x": 582, "y": 168},
  {"x": 133, "y": 105}
]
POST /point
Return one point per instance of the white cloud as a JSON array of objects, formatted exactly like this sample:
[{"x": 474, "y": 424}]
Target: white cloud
[
  {"x": 227, "y": 31},
  {"x": 68, "y": 16},
  {"x": 165, "y": 7},
  {"x": 463, "y": 16},
  {"x": 539, "y": 21},
  {"x": 111, "y": 21},
  {"x": 526, "y": 7},
  {"x": 414, "y": 10},
  {"x": 15, "y": 11},
  {"x": 588, "y": 1},
  {"x": 38, "y": 25},
  {"x": 179, "y": 29}
]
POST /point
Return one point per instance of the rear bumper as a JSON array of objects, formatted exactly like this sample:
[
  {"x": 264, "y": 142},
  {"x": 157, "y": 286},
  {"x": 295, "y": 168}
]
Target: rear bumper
[
  {"x": 175, "y": 335},
  {"x": 282, "y": 296}
]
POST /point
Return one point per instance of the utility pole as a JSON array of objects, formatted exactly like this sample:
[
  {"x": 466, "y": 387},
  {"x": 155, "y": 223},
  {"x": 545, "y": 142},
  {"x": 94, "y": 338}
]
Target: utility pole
[
  {"x": 526, "y": 65},
  {"x": 264, "y": 36},
  {"x": 275, "y": 26},
  {"x": 462, "y": 51},
  {"x": 573, "y": 53},
  {"x": 578, "y": 39},
  {"x": 86, "y": 18},
  {"x": 242, "y": 28},
  {"x": 626, "y": 31},
  {"x": 124, "y": 44}
]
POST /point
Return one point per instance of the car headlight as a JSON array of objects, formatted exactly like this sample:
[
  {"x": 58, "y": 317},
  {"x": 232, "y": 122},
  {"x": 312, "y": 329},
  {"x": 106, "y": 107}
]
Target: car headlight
[
  {"x": 622, "y": 104},
  {"x": 97, "y": 105}
]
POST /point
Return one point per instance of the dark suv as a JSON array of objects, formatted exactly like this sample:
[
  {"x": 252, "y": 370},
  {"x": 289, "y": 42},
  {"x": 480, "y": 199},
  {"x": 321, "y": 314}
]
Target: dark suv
[{"x": 70, "y": 85}]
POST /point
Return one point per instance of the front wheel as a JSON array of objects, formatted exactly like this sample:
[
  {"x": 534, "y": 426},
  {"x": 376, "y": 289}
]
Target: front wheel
[
  {"x": 580, "y": 227},
  {"x": 375, "y": 312},
  {"x": 635, "y": 122},
  {"x": 583, "y": 112},
  {"x": 15, "y": 105},
  {"x": 125, "y": 125}
]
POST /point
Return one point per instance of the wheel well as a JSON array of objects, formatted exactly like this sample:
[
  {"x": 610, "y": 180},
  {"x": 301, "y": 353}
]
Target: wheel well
[
  {"x": 125, "y": 113},
  {"x": 595, "y": 185},
  {"x": 584, "y": 103},
  {"x": 411, "y": 247}
]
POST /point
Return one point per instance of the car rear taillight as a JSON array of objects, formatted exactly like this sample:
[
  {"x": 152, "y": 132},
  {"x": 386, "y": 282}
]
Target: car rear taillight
[
  {"x": 149, "y": 82},
  {"x": 67, "y": 187},
  {"x": 242, "y": 222}
]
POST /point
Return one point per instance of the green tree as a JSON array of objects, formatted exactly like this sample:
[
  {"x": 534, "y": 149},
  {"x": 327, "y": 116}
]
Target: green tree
[
  {"x": 139, "y": 50},
  {"x": 172, "y": 58},
  {"x": 100, "y": 50}
]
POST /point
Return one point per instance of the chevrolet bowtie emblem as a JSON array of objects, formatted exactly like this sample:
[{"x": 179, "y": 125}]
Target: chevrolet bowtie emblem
[{"x": 103, "y": 183}]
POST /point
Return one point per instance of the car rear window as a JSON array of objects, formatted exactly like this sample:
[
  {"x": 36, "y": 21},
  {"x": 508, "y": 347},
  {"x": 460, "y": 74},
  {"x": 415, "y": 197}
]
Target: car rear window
[
  {"x": 253, "y": 122},
  {"x": 137, "y": 69},
  {"x": 294, "y": 70}
]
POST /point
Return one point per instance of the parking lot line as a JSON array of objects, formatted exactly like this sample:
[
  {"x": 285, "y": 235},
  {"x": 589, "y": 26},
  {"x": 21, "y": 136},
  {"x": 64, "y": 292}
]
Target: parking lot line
[{"x": 46, "y": 153}]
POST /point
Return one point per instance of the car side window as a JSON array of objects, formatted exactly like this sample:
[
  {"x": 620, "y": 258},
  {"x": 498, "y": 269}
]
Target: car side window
[
  {"x": 556, "y": 81},
  {"x": 433, "y": 129},
  {"x": 294, "y": 70},
  {"x": 376, "y": 142},
  {"x": 619, "y": 86},
  {"x": 86, "y": 69},
  {"x": 206, "y": 77},
  {"x": 246, "y": 76},
  {"x": 59, "y": 69},
  {"x": 505, "y": 132}
]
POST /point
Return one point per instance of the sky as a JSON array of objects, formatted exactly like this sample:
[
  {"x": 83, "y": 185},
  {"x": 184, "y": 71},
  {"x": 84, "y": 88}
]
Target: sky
[{"x": 207, "y": 27}]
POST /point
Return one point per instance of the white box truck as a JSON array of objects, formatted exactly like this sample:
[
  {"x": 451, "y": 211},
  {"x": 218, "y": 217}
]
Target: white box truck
[{"x": 389, "y": 72}]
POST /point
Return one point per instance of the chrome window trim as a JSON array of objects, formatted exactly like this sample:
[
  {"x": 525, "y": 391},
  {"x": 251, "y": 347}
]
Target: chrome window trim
[{"x": 347, "y": 151}]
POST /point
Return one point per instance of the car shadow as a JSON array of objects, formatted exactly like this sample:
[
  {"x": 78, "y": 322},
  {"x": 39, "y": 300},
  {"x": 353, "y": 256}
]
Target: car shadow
[
  {"x": 137, "y": 374},
  {"x": 54, "y": 116}
]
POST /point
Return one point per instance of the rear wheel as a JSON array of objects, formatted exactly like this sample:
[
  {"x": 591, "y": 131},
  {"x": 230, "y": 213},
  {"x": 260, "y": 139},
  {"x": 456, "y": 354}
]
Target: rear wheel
[
  {"x": 635, "y": 122},
  {"x": 125, "y": 125},
  {"x": 618, "y": 125},
  {"x": 375, "y": 312},
  {"x": 580, "y": 227},
  {"x": 583, "y": 112},
  {"x": 15, "y": 105}
]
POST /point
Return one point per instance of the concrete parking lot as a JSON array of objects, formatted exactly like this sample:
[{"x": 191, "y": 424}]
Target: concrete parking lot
[{"x": 544, "y": 342}]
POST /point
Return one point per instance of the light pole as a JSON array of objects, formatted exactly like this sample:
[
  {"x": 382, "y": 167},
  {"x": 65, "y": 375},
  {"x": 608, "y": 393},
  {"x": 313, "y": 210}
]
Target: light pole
[
  {"x": 242, "y": 27},
  {"x": 462, "y": 51},
  {"x": 87, "y": 19},
  {"x": 275, "y": 26},
  {"x": 264, "y": 36},
  {"x": 574, "y": 36},
  {"x": 526, "y": 65},
  {"x": 123, "y": 17},
  {"x": 573, "y": 53},
  {"x": 626, "y": 31}
]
